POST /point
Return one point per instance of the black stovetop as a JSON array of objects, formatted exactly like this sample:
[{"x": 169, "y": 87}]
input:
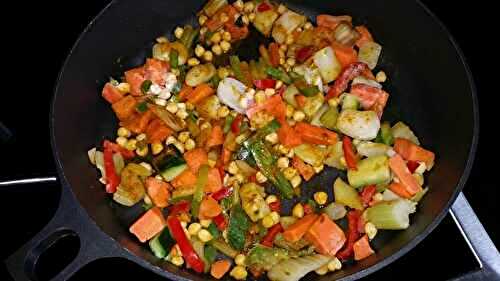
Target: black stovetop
[{"x": 51, "y": 30}]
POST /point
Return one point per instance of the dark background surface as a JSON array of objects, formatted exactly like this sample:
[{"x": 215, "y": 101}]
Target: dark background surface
[{"x": 40, "y": 36}]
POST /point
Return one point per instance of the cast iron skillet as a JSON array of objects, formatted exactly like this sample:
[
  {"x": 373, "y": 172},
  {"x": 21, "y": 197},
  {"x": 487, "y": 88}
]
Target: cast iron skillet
[{"x": 430, "y": 86}]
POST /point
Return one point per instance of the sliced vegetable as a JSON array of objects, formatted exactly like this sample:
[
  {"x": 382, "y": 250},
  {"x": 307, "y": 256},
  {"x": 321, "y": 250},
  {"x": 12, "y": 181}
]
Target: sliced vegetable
[
  {"x": 345, "y": 54},
  {"x": 369, "y": 149},
  {"x": 335, "y": 211},
  {"x": 209, "y": 208},
  {"x": 350, "y": 102},
  {"x": 304, "y": 53},
  {"x": 162, "y": 243},
  {"x": 196, "y": 158},
  {"x": 131, "y": 189},
  {"x": 188, "y": 253},
  {"x": 326, "y": 236},
  {"x": 285, "y": 24},
  {"x": 158, "y": 191},
  {"x": 315, "y": 135},
  {"x": 391, "y": 214},
  {"x": 237, "y": 229},
  {"x": 264, "y": 83},
  {"x": 327, "y": 63},
  {"x": 400, "y": 190},
  {"x": 346, "y": 195},
  {"x": 252, "y": 200},
  {"x": 112, "y": 179},
  {"x": 279, "y": 74},
  {"x": 157, "y": 131},
  {"x": 398, "y": 167},
  {"x": 353, "y": 218},
  {"x": 201, "y": 181},
  {"x": 371, "y": 170},
  {"x": 271, "y": 234},
  {"x": 224, "y": 248},
  {"x": 333, "y": 157},
  {"x": 365, "y": 35},
  {"x": 412, "y": 152},
  {"x": 124, "y": 108},
  {"x": 230, "y": 92},
  {"x": 311, "y": 154},
  {"x": 148, "y": 225},
  {"x": 306, "y": 171},
  {"x": 349, "y": 154},
  {"x": 264, "y": 258},
  {"x": 220, "y": 268},
  {"x": 264, "y": 21},
  {"x": 348, "y": 73},
  {"x": 111, "y": 94},
  {"x": 363, "y": 125},
  {"x": 213, "y": 6},
  {"x": 169, "y": 164},
  {"x": 367, "y": 194},
  {"x": 200, "y": 74},
  {"x": 171, "y": 120},
  {"x": 401, "y": 130},
  {"x": 296, "y": 268},
  {"x": 332, "y": 21},
  {"x": 369, "y": 52},
  {"x": 298, "y": 229},
  {"x": 220, "y": 221},
  {"x": 187, "y": 40},
  {"x": 345, "y": 34},
  {"x": 329, "y": 118}
]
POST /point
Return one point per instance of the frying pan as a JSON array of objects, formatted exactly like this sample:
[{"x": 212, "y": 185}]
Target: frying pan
[{"x": 429, "y": 82}]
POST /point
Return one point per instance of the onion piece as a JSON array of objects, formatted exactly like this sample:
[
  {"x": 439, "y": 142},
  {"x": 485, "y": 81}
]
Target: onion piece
[
  {"x": 345, "y": 34},
  {"x": 174, "y": 122},
  {"x": 230, "y": 91}
]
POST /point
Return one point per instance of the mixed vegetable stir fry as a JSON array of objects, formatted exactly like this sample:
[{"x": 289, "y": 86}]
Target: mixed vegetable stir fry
[{"x": 212, "y": 145}]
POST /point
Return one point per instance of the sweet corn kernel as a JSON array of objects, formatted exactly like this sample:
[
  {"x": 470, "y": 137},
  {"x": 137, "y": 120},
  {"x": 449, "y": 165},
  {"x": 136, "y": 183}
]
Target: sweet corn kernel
[
  {"x": 281, "y": 53},
  {"x": 204, "y": 235},
  {"x": 189, "y": 144},
  {"x": 147, "y": 166},
  {"x": 322, "y": 270},
  {"x": 222, "y": 112},
  {"x": 222, "y": 72},
  {"x": 208, "y": 56},
  {"x": 216, "y": 38},
  {"x": 289, "y": 111},
  {"x": 193, "y": 61},
  {"x": 260, "y": 97},
  {"x": 356, "y": 141},
  {"x": 318, "y": 169},
  {"x": 334, "y": 264},
  {"x": 179, "y": 145},
  {"x": 271, "y": 199},
  {"x": 381, "y": 76},
  {"x": 140, "y": 137},
  {"x": 240, "y": 259},
  {"x": 239, "y": 272},
  {"x": 182, "y": 114},
  {"x": 121, "y": 141},
  {"x": 251, "y": 16},
  {"x": 299, "y": 116},
  {"x": 172, "y": 107},
  {"x": 308, "y": 25},
  {"x": 205, "y": 223},
  {"x": 194, "y": 228},
  {"x": 202, "y": 19},
  {"x": 290, "y": 61},
  {"x": 290, "y": 153},
  {"x": 267, "y": 221},
  {"x": 123, "y": 87},
  {"x": 296, "y": 180},
  {"x": 289, "y": 39},
  {"x": 177, "y": 261},
  {"x": 281, "y": 8},
  {"x": 238, "y": 4},
  {"x": 156, "y": 148},
  {"x": 178, "y": 32},
  {"x": 233, "y": 168},
  {"x": 275, "y": 216},
  {"x": 289, "y": 173},
  {"x": 320, "y": 197},
  {"x": 249, "y": 6},
  {"x": 245, "y": 19},
  {"x": 272, "y": 138},
  {"x": 203, "y": 30},
  {"x": 170, "y": 140},
  {"x": 205, "y": 125},
  {"x": 217, "y": 50},
  {"x": 260, "y": 177},
  {"x": 283, "y": 162},
  {"x": 370, "y": 230},
  {"x": 279, "y": 84},
  {"x": 298, "y": 210},
  {"x": 199, "y": 50},
  {"x": 226, "y": 36},
  {"x": 142, "y": 151},
  {"x": 377, "y": 197},
  {"x": 342, "y": 161},
  {"x": 225, "y": 45},
  {"x": 183, "y": 136},
  {"x": 269, "y": 92},
  {"x": 131, "y": 144},
  {"x": 282, "y": 61},
  {"x": 283, "y": 149}
]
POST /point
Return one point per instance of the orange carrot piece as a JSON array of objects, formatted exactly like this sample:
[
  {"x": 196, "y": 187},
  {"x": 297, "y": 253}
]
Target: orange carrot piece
[
  {"x": 298, "y": 229},
  {"x": 125, "y": 107},
  {"x": 158, "y": 191},
  {"x": 287, "y": 136},
  {"x": 301, "y": 100},
  {"x": 220, "y": 268},
  {"x": 400, "y": 190},
  {"x": 209, "y": 208},
  {"x": 331, "y": 21},
  {"x": 185, "y": 92},
  {"x": 366, "y": 36},
  {"x": 326, "y": 236},
  {"x": 216, "y": 137},
  {"x": 410, "y": 151},
  {"x": 362, "y": 248},
  {"x": 306, "y": 171},
  {"x": 345, "y": 54},
  {"x": 135, "y": 77},
  {"x": 111, "y": 94},
  {"x": 237, "y": 33},
  {"x": 274, "y": 54},
  {"x": 314, "y": 134},
  {"x": 148, "y": 225},
  {"x": 185, "y": 179},
  {"x": 225, "y": 156},
  {"x": 273, "y": 105},
  {"x": 155, "y": 70},
  {"x": 399, "y": 168},
  {"x": 157, "y": 131},
  {"x": 195, "y": 158},
  {"x": 199, "y": 93},
  {"x": 214, "y": 182},
  {"x": 138, "y": 122},
  {"x": 215, "y": 21}
]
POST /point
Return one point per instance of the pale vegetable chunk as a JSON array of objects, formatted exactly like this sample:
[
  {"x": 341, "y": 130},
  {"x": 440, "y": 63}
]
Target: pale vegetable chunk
[
  {"x": 285, "y": 24},
  {"x": 369, "y": 53},
  {"x": 253, "y": 202},
  {"x": 327, "y": 63},
  {"x": 363, "y": 125}
]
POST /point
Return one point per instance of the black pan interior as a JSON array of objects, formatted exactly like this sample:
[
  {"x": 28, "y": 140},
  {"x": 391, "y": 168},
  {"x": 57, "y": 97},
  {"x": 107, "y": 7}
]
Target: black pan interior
[{"x": 427, "y": 80}]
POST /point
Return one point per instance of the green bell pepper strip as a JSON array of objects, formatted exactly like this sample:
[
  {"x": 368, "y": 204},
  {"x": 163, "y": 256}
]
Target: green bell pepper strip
[
  {"x": 201, "y": 181},
  {"x": 279, "y": 74},
  {"x": 236, "y": 67},
  {"x": 173, "y": 58}
]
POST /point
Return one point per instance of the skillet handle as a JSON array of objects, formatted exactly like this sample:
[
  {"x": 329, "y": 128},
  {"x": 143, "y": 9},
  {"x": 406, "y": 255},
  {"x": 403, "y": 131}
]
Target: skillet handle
[
  {"x": 478, "y": 240},
  {"x": 70, "y": 219}
]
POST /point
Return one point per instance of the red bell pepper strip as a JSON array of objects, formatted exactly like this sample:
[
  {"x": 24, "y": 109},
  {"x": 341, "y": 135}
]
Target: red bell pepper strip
[
  {"x": 308, "y": 209},
  {"x": 180, "y": 207},
  {"x": 274, "y": 54},
  {"x": 263, "y": 7},
  {"x": 367, "y": 194},
  {"x": 271, "y": 234},
  {"x": 112, "y": 179},
  {"x": 127, "y": 154},
  {"x": 222, "y": 193},
  {"x": 275, "y": 206},
  {"x": 349, "y": 155},
  {"x": 235, "y": 126},
  {"x": 352, "y": 234},
  {"x": 220, "y": 221},
  {"x": 188, "y": 253},
  {"x": 263, "y": 84},
  {"x": 252, "y": 178},
  {"x": 304, "y": 53},
  {"x": 348, "y": 73},
  {"x": 412, "y": 166},
  {"x": 281, "y": 90}
]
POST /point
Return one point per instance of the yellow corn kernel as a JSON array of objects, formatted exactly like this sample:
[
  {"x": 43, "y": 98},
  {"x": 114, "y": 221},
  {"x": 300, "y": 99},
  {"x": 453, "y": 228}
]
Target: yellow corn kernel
[
  {"x": 290, "y": 61},
  {"x": 283, "y": 162},
  {"x": 141, "y": 137},
  {"x": 204, "y": 235},
  {"x": 251, "y": 16},
  {"x": 318, "y": 169},
  {"x": 267, "y": 221},
  {"x": 271, "y": 199},
  {"x": 233, "y": 168},
  {"x": 178, "y": 32},
  {"x": 295, "y": 181},
  {"x": 370, "y": 230},
  {"x": 208, "y": 55},
  {"x": 239, "y": 272},
  {"x": 240, "y": 259},
  {"x": 216, "y": 38},
  {"x": 226, "y": 36},
  {"x": 289, "y": 173},
  {"x": 269, "y": 92},
  {"x": 177, "y": 261},
  {"x": 189, "y": 144},
  {"x": 298, "y": 115},
  {"x": 260, "y": 97},
  {"x": 183, "y": 136},
  {"x": 381, "y": 76},
  {"x": 222, "y": 72},
  {"x": 272, "y": 138},
  {"x": 224, "y": 17},
  {"x": 202, "y": 19},
  {"x": 308, "y": 25},
  {"x": 249, "y": 6},
  {"x": 182, "y": 114},
  {"x": 289, "y": 111},
  {"x": 199, "y": 50},
  {"x": 156, "y": 148},
  {"x": 205, "y": 223},
  {"x": 320, "y": 197},
  {"x": 245, "y": 19},
  {"x": 142, "y": 151},
  {"x": 123, "y": 87},
  {"x": 238, "y": 4},
  {"x": 298, "y": 210},
  {"x": 334, "y": 264},
  {"x": 172, "y": 107},
  {"x": 193, "y": 61},
  {"x": 222, "y": 112},
  {"x": 225, "y": 45},
  {"x": 275, "y": 216},
  {"x": 121, "y": 141},
  {"x": 279, "y": 84},
  {"x": 260, "y": 177},
  {"x": 194, "y": 228},
  {"x": 131, "y": 144}
]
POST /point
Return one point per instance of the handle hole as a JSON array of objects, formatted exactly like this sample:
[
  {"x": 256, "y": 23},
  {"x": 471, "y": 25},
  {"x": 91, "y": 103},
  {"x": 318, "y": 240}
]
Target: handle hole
[{"x": 52, "y": 255}]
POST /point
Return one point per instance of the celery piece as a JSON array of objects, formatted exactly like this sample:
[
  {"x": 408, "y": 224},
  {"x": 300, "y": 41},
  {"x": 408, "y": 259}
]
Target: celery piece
[
  {"x": 350, "y": 102},
  {"x": 371, "y": 170},
  {"x": 329, "y": 118},
  {"x": 417, "y": 197},
  {"x": 385, "y": 135},
  {"x": 201, "y": 181},
  {"x": 391, "y": 214},
  {"x": 401, "y": 130},
  {"x": 224, "y": 248},
  {"x": 346, "y": 195},
  {"x": 289, "y": 95}
]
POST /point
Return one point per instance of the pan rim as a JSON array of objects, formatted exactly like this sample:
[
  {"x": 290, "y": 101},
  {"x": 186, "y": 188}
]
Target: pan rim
[{"x": 359, "y": 274}]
